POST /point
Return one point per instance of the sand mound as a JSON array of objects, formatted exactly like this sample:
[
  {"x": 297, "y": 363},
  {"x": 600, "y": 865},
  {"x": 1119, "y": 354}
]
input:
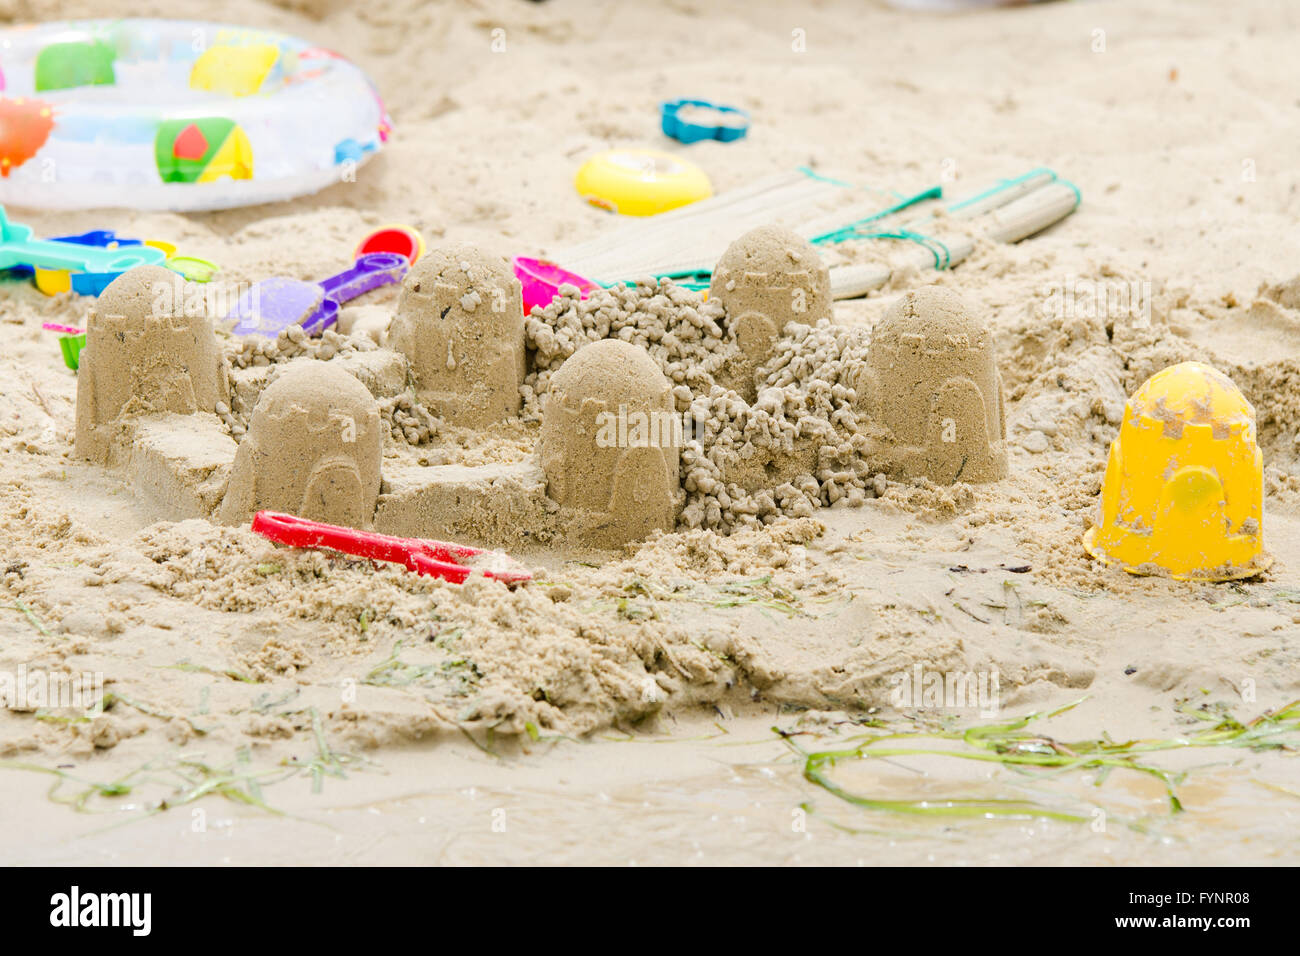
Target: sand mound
[
  {"x": 460, "y": 324},
  {"x": 609, "y": 445},
  {"x": 933, "y": 382},
  {"x": 313, "y": 449},
  {"x": 766, "y": 279},
  {"x": 775, "y": 273},
  {"x": 147, "y": 352}
]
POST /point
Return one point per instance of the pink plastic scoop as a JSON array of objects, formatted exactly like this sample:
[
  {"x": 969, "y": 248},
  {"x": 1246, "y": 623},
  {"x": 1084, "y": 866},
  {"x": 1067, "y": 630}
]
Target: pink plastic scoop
[{"x": 542, "y": 279}]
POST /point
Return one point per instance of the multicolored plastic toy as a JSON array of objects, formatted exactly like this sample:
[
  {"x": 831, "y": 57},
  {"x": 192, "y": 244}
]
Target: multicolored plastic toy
[
  {"x": 275, "y": 304},
  {"x": 191, "y": 268},
  {"x": 640, "y": 182},
  {"x": 18, "y": 248},
  {"x": 689, "y": 121},
  {"x": 441, "y": 559},
  {"x": 171, "y": 114},
  {"x": 541, "y": 281},
  {"x": 1183, "y": 494},
  {"x": 54, "y": 281},
  {"x": 71, "y": 341}
]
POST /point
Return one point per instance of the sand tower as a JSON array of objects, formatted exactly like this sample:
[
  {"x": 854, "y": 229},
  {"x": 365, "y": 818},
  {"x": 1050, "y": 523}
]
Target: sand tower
[
  {"x": 932, "y": 381},
  {"x": 150, "y": 349},
  {"x": 313, "y": 449},
  {"x": 610, "y": 445},
  {"x": 766, "y": 278},
  {"x": 460, "y": 323}
]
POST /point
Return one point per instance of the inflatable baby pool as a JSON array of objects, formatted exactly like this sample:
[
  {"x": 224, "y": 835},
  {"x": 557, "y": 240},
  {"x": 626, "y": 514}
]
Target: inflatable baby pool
[{"x": 181, "y": 115}]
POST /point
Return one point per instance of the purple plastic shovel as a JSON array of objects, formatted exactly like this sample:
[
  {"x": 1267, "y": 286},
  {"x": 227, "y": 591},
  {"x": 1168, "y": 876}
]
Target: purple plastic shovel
[{"x": 275, "y": 304}]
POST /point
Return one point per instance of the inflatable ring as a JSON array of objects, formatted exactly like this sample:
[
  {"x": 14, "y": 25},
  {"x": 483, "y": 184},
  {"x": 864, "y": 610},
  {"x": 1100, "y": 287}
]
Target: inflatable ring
[
  {"x": 179, "y": 115},
  {"x": 641, "y": 182}
]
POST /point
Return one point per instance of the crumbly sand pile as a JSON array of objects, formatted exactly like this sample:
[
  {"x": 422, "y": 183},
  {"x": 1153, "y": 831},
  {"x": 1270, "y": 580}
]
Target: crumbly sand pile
[
  {"x": 805, "y": 403},
  {"x": 681, "y": 331},
  {"x": 405, "y": 418}
]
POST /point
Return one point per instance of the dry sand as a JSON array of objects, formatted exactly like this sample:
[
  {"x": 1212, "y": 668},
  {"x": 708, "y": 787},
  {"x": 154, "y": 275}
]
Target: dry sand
[{"x": 1175, "y": 120}]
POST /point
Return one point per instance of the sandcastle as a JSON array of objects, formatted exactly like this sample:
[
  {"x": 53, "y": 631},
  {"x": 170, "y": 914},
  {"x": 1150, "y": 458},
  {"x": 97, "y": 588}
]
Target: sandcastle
[
  {"x": 766, "y": 279},
  {"x": 313, "y": 449},
  {"x": 460, "y": 324},
  {"x": 833, "y": 415},
  {"x": 640, "y": 422},
  {"x": 609, "y": 445},
  {"x": 931, "y": 379},
  {"x": 146, "y": 353},
  {"x": 152, "y": 383}
]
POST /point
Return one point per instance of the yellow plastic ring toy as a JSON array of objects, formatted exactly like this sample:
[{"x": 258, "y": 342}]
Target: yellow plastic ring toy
[{"x": 641, "y": 182}]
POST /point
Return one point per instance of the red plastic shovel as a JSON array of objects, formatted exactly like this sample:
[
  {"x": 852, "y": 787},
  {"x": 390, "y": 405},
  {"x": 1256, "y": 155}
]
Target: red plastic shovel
[{"x": 452, "y": 562}]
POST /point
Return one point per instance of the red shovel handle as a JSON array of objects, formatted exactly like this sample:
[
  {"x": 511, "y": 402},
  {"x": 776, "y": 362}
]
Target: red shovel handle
[
  {"x": 301, "y": 533},
  {"x": 438, "y": 558},
  {"x": 455, "y": 573}
]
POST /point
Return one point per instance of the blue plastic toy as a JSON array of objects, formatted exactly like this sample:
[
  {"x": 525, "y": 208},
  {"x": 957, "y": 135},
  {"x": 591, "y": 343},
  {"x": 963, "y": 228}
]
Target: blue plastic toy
[{"x": 685, "y": 130}]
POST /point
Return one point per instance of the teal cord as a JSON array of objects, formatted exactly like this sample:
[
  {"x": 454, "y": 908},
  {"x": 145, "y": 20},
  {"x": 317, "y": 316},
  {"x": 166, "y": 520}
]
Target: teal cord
[
  {"x": 1078, "y": 196},
  {"x": 824, "y": 179},
  {"x": 854, "y": 229},
  {"x": 942, "y": 254}
]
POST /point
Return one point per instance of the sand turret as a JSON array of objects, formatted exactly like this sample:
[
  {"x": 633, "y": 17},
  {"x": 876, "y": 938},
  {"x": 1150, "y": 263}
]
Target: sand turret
[
  {"x": 932, "y": 381},
  {"x": 313, "y": 449},
  {"x": 460, "y": 324},
  {"x": 610, "y": 445},
  {"x": 150, "y": 349},
  {"x": 766, "y": 278}
]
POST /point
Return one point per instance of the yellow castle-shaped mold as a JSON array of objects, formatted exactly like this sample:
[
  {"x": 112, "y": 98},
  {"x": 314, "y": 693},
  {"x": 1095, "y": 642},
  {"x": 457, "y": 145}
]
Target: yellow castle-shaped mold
[{"x": 1183, "y": 494}]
